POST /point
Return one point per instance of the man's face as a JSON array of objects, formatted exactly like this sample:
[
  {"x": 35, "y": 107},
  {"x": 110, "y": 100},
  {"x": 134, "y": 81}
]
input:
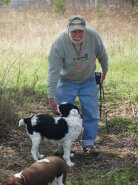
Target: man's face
[{"x": 77, "y": 35}]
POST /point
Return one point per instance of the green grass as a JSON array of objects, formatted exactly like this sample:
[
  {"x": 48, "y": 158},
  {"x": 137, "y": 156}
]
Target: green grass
[
  {"x": 122, "y": 78},
  {"x": 120, "y": 126},
  {"x": 19, "y": 70},
  {"x": 26, "y": 69},
  {"x": 126, "y": 176}
]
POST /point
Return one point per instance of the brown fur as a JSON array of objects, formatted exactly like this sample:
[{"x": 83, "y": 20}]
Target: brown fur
[{"x": 40, "y": 173}]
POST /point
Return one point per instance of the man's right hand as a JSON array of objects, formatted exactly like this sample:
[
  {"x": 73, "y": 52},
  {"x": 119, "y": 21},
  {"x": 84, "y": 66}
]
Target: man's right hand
[{"x": 53, "y": 105}]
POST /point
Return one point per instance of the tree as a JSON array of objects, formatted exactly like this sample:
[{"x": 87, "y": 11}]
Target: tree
[
  {"x": 133, "y": 2},
  {"x": 93, "y": 2},
  {"x": 2, "y": 2}
]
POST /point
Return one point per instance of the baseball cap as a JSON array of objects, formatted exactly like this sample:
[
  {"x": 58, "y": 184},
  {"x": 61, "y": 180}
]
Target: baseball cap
[{"x": 76, "y": 22}]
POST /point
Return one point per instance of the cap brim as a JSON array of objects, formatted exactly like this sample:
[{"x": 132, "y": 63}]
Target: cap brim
[{"x": 76, "y": 27}]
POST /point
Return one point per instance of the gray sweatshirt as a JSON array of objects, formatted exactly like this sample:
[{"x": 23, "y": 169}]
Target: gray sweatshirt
[{"x": 64, "y": 60}]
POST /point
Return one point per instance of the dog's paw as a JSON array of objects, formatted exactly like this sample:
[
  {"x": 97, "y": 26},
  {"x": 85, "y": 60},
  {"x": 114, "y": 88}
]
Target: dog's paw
[
  {"x": 70, "y": 164},
  {"x": 41, "y": 156}
]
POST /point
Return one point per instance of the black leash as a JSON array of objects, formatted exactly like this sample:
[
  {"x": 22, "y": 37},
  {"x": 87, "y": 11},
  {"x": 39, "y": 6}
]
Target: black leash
[{"x": 102, "y": 97}]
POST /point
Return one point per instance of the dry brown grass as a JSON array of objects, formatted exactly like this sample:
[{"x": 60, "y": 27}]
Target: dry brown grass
[
  {"x": 8, "y": 116},
  {"x": 33, "y": 29}
]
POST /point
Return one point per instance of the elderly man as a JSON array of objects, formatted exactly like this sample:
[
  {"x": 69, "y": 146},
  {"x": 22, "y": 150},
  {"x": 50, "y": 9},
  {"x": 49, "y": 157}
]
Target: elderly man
[{"x": 71, "y": 73}]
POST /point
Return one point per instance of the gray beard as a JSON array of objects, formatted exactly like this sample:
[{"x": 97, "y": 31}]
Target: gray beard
[{"x": 76, "y": 42}]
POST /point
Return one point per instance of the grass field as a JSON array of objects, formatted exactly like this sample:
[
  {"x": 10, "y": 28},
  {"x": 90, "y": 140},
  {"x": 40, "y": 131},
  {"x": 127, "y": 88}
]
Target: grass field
[{"x": 26, "y": 35}]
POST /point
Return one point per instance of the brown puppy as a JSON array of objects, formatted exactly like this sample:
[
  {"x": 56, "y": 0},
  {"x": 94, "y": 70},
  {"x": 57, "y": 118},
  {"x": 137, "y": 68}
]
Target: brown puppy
[{"x": 43, "y": 172}]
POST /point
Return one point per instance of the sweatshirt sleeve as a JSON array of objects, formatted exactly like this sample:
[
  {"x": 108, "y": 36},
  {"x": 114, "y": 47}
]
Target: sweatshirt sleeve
[
  {"x": 54, "y": 67},
  {"x": 101, "y": 55}
]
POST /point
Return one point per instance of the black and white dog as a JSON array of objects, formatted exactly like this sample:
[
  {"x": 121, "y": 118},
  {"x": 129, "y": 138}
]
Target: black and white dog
[{"x": 61, "y": 130}]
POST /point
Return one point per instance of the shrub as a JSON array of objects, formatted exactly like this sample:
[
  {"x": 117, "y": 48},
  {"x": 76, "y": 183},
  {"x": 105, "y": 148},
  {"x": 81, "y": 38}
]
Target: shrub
[
  {"x": 8, "y": 115},
  {"x": 59, "y": 5},
  {"x": 2, "y": 2}
]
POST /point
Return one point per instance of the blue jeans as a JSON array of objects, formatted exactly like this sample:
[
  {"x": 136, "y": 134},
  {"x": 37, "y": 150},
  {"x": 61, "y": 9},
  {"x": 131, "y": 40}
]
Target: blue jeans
[{"x": 87, "y": 93}]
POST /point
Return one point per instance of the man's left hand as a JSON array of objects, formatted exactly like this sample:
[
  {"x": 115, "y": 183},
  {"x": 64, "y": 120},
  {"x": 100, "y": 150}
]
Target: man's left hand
[{"x": 103, "y": 75}]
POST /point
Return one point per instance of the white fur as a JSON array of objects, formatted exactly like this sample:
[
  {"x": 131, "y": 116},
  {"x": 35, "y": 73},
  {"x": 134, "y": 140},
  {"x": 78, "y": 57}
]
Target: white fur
[
  {"x": 34, "y": 120},
  {"x": 18, "y": 174},
  {"x": 75, "y": 128},
  {"x": 74, "y": 122},
  {"x": 21, "y": 123},
  {"x": 43, "y": 160},
  {"x": 57, "y": 181},
  {"x": 56, "y": 119}
]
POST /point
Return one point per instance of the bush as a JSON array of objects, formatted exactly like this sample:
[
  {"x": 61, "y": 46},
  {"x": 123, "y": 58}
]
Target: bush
[
  {"x": 2, "y": 2},
  {"x": 59, "y": 5},
  {"x": 8, "y": 116}
]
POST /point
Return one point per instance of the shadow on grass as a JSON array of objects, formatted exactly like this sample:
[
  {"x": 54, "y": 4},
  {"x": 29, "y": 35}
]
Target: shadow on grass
[
  {"x": 119, "y": 125},
  {"x": 108, "y": 170}
]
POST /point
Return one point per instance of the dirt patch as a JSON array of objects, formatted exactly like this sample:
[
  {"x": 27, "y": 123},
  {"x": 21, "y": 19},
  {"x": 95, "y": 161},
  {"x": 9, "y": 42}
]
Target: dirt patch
[{"x": 117, "y": 151}]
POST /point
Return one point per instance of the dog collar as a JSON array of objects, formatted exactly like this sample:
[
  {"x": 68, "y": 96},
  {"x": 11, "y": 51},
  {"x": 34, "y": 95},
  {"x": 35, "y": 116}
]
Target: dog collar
[{"x": 24, "y": 179}]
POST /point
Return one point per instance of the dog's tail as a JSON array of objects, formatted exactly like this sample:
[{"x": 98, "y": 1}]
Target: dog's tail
[{"x": 21, "y": 123}]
